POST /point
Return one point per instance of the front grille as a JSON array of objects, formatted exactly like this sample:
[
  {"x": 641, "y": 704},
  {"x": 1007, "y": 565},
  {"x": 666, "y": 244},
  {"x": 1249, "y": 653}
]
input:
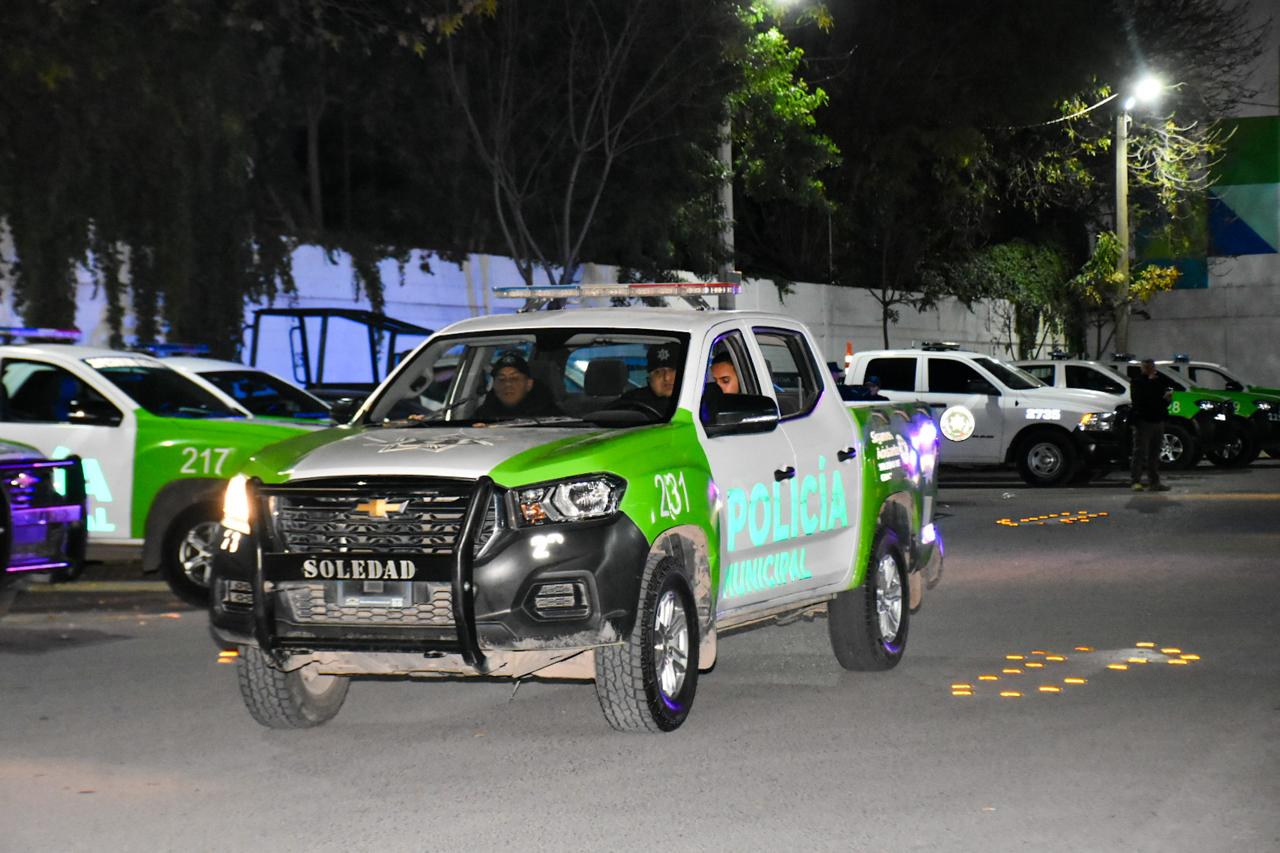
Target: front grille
[
  {"x": 310, "y": 605},
  {"x": 375, "y": 518}
]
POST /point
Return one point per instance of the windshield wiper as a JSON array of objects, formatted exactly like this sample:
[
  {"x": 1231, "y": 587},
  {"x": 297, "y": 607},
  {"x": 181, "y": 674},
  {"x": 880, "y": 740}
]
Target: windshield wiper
[{"x": 541, "y": 421}]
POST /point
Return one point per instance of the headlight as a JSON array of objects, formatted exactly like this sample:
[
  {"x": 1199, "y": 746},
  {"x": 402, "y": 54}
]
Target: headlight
[
  {"x": 1263, "y": 406},
  {"x": 1098, "y": 421},
  {"x": 235, "y": 505},
  {"x": 569, "y": 500},
  {"x": 1205, "y": 405}
]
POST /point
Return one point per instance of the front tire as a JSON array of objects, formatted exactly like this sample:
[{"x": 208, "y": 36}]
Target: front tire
[
  {"x": 868, "y": 624},
  {"x": 300, "y": 699},
  {"x": 189, "y": 546},
  {"x": 648, "y": 683},
  {"x": 1179, "y": 449},
  {"x": 1046, "y": 459},
  {"x": 1233, "y": 447}
]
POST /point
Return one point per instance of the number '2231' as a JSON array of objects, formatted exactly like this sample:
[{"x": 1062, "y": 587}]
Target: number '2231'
[
  {"x": 673, "y": 493},
  {"x": 207, "y": 461}
]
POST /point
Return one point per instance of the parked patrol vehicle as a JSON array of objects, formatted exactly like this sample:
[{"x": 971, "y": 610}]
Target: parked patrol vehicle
[
  {"x": 613, "y": 537},
  {"x": 1232, "y": 427},
  {"x": 1207, "y": 374},
  {"x": 1200, "y": 423},
  {"x": 994, "y": 414},
  {"x": 257, "y": 393},
  {"x": 1258, "y": 407},
  {"x": 157, "y": 449}
]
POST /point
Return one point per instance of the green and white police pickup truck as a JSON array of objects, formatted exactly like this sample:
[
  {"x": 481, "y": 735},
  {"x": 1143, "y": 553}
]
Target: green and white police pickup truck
[
  {"x": 612, "y": 536},
  {"x": 157, "y": 449}
]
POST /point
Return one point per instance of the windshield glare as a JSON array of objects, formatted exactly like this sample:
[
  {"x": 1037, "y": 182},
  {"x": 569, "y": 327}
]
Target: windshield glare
[
  {"x": 538, "y": 377},
  {"x": 160, "y": 390},
  {"x": 1012, "y": 377}
]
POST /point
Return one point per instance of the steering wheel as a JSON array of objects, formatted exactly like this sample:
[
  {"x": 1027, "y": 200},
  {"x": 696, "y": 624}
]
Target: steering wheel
[{"x": 635, "y": 406}]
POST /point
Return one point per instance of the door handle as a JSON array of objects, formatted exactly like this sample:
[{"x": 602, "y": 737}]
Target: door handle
[
  {"x": 847, "y": 454},
  {"x": 784, "y": 473}
]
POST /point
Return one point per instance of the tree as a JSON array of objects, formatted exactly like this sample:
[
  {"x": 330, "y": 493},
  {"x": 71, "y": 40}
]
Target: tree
[
  {"x": 1099, "y": 282},
  {"x": 155, "y": 140},
  {"x": 1031, "y": 283}
]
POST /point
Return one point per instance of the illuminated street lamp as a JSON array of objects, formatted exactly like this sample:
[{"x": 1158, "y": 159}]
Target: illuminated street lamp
[{"x": 1145, "y": 91}]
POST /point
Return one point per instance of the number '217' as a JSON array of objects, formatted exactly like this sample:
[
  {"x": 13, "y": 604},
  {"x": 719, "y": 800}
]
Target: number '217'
[{"x": 207, "y": 461}]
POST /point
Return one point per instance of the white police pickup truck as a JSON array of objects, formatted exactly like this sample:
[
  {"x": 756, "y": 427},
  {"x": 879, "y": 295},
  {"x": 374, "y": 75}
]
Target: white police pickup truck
[
  {"x": 511, "y": 502},
  {"x": 991, "y": 413}
]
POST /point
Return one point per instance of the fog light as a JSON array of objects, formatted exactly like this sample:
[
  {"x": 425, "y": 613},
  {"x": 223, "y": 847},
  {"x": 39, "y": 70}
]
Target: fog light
[
  {"x": 237, "y": 593},
  {"x": 560, "y": 600}
]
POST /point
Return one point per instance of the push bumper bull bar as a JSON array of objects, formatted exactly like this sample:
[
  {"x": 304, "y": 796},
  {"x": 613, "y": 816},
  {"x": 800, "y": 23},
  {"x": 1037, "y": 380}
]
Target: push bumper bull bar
[{"x": 462, "y": 583}]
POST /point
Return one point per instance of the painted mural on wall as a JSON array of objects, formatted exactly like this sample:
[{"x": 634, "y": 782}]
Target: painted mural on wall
[{"x": 1241, "y": 213}]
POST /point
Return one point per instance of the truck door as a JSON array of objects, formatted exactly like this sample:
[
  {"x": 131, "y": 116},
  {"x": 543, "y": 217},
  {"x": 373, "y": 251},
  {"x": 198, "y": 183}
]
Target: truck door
[
  {"x": 817, "y": 508},
  {"x": 744, "y": 470},
  {"x": 61, "y": 414},
  {"x": 954, "y": 382}
]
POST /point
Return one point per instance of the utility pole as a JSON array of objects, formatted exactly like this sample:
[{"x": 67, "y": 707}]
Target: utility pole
[
  {"x": 1122, "y": 226},
  {"x": 727, "y": 272}
]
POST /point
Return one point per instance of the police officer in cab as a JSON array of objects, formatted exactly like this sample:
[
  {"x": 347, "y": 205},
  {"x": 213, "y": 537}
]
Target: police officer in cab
[
  {"x": 663, "y": 362},
  {"x": 515, "y": 393}
]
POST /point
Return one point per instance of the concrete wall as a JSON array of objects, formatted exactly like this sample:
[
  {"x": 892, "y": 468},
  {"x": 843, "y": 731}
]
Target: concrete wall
[
  {"x": 1234, "y": 321},
  {"x": 451, "y": 292}
]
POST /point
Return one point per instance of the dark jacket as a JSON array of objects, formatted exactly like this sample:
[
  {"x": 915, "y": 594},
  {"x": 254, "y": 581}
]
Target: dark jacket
[
  {"x": 645, "y": 395},
  {"x": 1149, "y": 403}
]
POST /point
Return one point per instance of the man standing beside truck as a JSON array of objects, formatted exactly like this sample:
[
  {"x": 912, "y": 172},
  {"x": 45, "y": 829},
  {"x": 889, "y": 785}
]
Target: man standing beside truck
[{"x": 1150, "y": 403}]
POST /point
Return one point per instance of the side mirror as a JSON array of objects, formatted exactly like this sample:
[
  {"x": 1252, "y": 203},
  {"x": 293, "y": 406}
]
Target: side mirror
[
  {"x": 981, "y": 386},
  {"x": 343, "y": 409},
  {"x": 740, "y": 414},
  {"x": 93, "y": 413}
]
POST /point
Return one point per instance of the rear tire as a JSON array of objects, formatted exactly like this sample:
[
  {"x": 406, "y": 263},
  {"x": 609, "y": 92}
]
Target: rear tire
[
  {"x": 1179, "y": 449},
  {"x": 1046, "y": 459},
  {"x": 189, "y": 546},
  {"x": 648, "y": 683},
  {"x": 868, "y": 624},
  {"x": 288, "y": 700}
]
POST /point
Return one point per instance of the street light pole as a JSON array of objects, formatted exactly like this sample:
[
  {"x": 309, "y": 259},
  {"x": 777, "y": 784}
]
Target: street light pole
[
  {"x": 1146, "y": 90},
  {"x": 1122, "y": 224}
]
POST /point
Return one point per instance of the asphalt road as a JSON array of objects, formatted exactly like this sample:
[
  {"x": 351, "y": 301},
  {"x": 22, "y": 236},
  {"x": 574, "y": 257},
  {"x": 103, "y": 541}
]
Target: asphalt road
[{"x": 120, "y": 731}]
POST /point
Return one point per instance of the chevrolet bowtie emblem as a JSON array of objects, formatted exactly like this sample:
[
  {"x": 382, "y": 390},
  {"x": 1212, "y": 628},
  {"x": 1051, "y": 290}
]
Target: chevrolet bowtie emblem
[{"x": 380, "y": 507}]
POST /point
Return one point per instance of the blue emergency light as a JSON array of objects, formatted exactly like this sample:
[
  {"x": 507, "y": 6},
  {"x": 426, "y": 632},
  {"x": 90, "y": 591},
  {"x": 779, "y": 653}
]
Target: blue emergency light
[
  {"x": 10, "y": 333},
  {"x": 161, "y": 350}
]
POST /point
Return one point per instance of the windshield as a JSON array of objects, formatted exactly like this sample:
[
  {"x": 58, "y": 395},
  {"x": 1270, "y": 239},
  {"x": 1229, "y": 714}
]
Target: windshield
[
  {"x": 1012, "y": 377},
  {"x": 266, "y": 395},
  {"x": 1171, "y": 379},
  {"x": 160, "y": 390},
  {"x": 538, "y": 377}
]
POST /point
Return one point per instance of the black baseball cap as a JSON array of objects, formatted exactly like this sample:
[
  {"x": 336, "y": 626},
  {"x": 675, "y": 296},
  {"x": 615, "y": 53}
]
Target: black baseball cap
[
  {"x": 511, "y": 359},
  {"x": 664, "y": 355}
]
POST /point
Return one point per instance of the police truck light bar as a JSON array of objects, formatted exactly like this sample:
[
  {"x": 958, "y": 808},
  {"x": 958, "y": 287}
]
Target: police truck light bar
[
  {"x": 9, "y": 333},
  {"x": 569, "y": 291}
]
